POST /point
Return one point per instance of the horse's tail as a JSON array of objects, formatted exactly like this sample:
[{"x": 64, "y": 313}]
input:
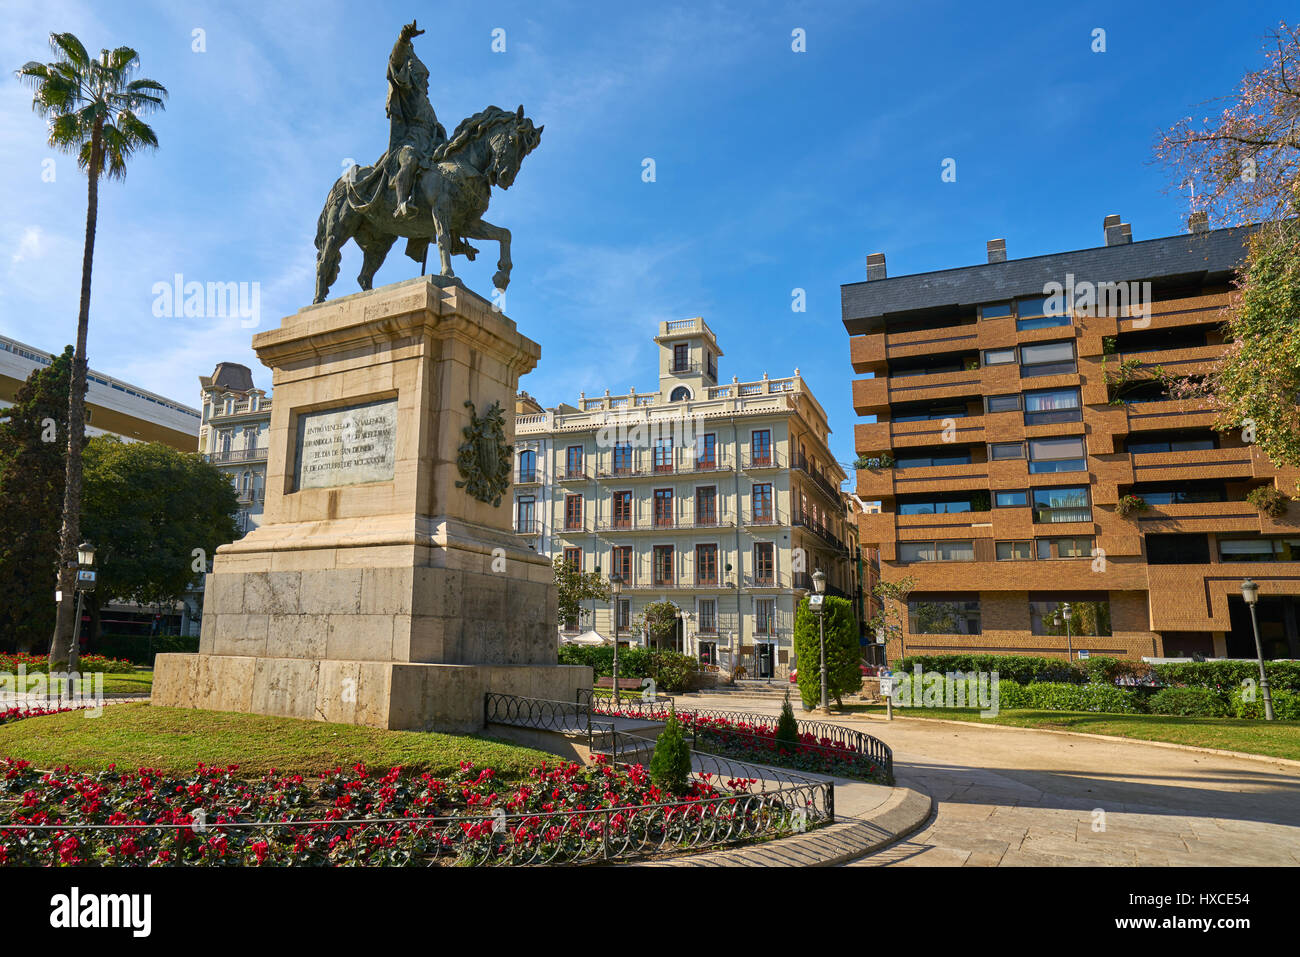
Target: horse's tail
[{"x": 336, "y": 195}]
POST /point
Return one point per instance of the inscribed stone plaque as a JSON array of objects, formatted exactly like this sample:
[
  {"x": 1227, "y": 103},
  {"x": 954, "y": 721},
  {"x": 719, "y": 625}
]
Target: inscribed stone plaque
[{"x": 347, "y": 446}]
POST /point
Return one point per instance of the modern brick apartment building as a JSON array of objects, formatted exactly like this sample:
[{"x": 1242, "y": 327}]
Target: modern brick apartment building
[
  {"x": 999, "y": 452},
  {"x": 721, "y": 497}
]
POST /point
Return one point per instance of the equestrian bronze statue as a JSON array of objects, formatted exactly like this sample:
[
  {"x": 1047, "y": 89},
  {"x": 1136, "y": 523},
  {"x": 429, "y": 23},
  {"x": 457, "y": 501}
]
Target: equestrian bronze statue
[{"x": 426, "y": 186}]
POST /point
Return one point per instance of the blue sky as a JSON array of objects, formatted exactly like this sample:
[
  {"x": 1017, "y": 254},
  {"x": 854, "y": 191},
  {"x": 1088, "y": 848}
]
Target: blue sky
[{"x": 775, "y": 170}]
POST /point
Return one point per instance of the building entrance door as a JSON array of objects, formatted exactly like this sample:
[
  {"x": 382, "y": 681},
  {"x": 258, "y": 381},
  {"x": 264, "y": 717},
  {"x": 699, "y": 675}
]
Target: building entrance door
[{"x": 765, "y": 653}]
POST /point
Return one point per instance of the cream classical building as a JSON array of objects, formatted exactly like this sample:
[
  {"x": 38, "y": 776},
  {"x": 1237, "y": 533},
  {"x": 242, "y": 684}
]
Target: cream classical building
[
  {"x": 720, "y": 497},
  {"x": 234, "y": 434}
]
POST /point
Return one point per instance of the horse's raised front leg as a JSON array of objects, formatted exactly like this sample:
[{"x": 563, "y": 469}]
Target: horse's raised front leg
[{"x": 480, "y": 229}]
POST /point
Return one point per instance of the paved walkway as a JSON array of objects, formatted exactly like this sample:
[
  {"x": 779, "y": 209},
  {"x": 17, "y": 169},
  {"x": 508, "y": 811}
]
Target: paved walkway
[{"x": 1012, "y": 797}]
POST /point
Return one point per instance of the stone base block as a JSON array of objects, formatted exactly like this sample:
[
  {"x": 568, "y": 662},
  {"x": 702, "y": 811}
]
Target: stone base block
[{"x": 398, "y": 696}]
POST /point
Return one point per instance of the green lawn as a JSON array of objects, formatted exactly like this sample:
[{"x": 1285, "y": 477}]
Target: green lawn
[
  {"x": 1279, "y": 739},
  {"x": 136, "y": 682},
  {"x": 176, "y": 740}
]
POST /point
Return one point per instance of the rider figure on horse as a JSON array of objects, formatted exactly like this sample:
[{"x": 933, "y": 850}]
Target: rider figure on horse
[{"x": 414, "y": 131}]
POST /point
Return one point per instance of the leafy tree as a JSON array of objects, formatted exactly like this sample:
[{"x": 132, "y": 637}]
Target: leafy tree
[
  {"x": 670, "y": 767},
  {"x": 576, "y": 587},
  {"x": 843, "y": 652},
  {"x": 147, "y": 508},
  {"x": 787, "y": 728},
  {"x": 658, "y": 621},
  {"x": 94, "y": 109},
  {"x": 890, "y": 621},
  {"x": 33, "y": 434}
]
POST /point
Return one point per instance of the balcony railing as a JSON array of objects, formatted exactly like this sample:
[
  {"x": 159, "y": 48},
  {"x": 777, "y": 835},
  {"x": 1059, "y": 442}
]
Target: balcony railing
[
  {"x": 531, "y": 477},
  {"x": 762, "y": 460},
  {"x": 764, "y": 517},
  {"x": 528, "y": 526},
  {"x": 681, "y": 521},
  {"x": 236, "y": 455},
  {"x": 818, "y": 528}
]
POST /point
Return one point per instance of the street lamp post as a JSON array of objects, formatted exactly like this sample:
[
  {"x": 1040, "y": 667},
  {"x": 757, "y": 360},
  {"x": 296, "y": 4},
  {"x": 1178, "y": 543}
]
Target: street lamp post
[
  {"x": 85, "y": 583},
  {"x": 1250, "y": 592},
  {"x": 1069, "y": 643},
  {"x": 819, "y": 585},
  {"x": 615, "y": 588}
]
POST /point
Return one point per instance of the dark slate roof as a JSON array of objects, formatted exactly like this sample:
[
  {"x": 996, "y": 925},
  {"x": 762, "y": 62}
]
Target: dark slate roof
[{"x": 1192, "y": 257}]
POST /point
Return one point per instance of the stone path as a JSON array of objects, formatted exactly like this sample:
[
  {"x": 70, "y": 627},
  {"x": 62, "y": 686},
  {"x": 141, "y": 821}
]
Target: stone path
[{"x": 1013, "y": 797}]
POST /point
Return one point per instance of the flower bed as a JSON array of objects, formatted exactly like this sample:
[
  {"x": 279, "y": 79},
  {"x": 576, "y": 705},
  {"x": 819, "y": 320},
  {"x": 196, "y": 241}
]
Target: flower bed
[
  {"x": 87, "y": 664},
  {"x": 564, "y": 813},
  {"x": 17, "y": 714},
  {"x": 733, "y": 736}
]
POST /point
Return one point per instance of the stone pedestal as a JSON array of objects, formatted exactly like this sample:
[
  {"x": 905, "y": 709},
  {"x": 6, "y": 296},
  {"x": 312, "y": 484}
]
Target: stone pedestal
[{"x": 376, "y": 591}]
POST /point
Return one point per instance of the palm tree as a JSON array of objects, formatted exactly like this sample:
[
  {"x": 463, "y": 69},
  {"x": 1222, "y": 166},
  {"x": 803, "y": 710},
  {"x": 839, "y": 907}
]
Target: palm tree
[{"x": 92, "y": 106}]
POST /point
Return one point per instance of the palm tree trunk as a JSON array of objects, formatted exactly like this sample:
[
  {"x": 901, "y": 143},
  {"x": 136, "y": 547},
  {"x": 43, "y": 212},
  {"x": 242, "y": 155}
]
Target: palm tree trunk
[{"x": 61, "y": 648}]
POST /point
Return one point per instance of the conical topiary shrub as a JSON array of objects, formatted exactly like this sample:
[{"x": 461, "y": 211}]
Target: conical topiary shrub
[
  {"x": 787, "y": 728},
  {"x": 670, "y": 768}
]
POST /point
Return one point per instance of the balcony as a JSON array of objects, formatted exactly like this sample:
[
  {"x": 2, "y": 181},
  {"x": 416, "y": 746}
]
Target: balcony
[
  {"x": 528, "y": 526},
  {"x": 236, "y": 455},
  {"x": 871, "y": 396},
  {"x": 753, "y": 462},
  {"x": 531, "y": 477},
  {"x": 804, "y": 520},
  {"x": 684, "y": 521},
  {"x": 1201, "y": 517},
  {"x": 573, "y": 475},
  {"x": 801, "y": 463},
  {"x": 1199, "y": 464},
  {"x": 1167, "y": 414},
  {"x": 764, "y": 518}
]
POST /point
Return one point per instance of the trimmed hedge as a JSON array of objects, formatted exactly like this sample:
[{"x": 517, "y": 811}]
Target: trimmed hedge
[
  {"x": 1229, "y": 674},
  {"x": 140, "y": 649},
  {"x": 1190, "y": 702},
  {"x": 673, "y": 673},
  {"x": 1024, "y": 669},
  {"x": 1286, "y": 704}
]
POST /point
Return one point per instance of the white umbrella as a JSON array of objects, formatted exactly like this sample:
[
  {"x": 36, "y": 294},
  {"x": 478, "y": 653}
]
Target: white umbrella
[{"x": 588, "y": 638}]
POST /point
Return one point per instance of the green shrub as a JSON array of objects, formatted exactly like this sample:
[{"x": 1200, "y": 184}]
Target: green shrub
[
  {"x": 1228, "y": 674},
  {"x": 1270, "y": 500},
  {"x": 1024, "y": 669},
  {"x": 670, "y": 768},
  {"x": 672, "y": 672},
  {"x": 1058, "y": 696},
  {"x": 1190, "y": 702},
  {"x": 141, "y": 649},
  {"x": 1286, "y": 704},
  {"x": 787, "y": 727},
  {"x": 843, "y": 652}
]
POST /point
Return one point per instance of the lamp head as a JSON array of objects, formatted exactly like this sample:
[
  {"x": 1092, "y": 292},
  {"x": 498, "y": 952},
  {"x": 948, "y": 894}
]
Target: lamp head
[
  {"x": 86, "y": 553},
  {"x": 1250, "y": 591},
  {"x": 819, "y": 581}
]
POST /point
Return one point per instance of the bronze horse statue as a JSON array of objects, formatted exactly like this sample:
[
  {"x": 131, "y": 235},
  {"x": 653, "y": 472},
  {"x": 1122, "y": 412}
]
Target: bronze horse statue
[{"x": 451, "y": 196}]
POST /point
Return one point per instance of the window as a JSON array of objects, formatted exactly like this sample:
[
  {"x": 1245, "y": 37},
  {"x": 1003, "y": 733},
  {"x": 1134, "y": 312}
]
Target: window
[
  {"x": 1048, "y": 406},
  {"x": 1260, "y": 550},
  {"x": 999, "y": 357},
  {"x": 663, "y": 506},
  {"x": 620, "y": 560},
  {"x": 681, "y": 357},
  {"x": 528, "y": 466},
  {"x": 1036, "y": 314},
  {"x": 1057, "y": 455},
  {"x": 663, "y": 455},
  {"x": 573, "y": 558},
  {"x": 1004, "y": 403},
  {"x": 931, "y": 459},
  {"x": 941, "y": 504},
  {"x": 1010, "y": 499},
  {"x": 943, "y": 616},
  {"x": 706, "y": 505},
  {"x": 761, "y": 502},
  {"x": 706, "y": 564},
  {"x": 1014, "y": 551},
  {"x": 1062, "y": 505},
  {"x": 765, "y": 616},
  {"x": 623, "y": 459},
  {"x": 1148, "y": 445},
  {"x": 764, "y": 563},
  {"x": 573, "y": 462},
  {"x": 623, "y": 614},
  {"x": 708, "y": 652},
  {"x": 663, "y": 564},
  {"x": 622, "y": 510},
  {"x": 1046, "y": 358},
  {"x": 573, "y": 512},
  {"x": 706, "y": 451},
  {"x": 1000, "y": 310},
  {"x": 760, "y": 447},
  {"x": 929, "y": 412},
  {"x": 1072, "y": 547},
  {"x": 1001, "y": 451},
  {"x": 680, "y": 394},
  {"x": 958, "y": 551},
  {"x": 707, "y": 609},
  {"x": 524, "y": 517},
  {"x": 712, "y": 361},
  {"x": 1181, "y": 494},
  {"x": 1086, "y": 617}
]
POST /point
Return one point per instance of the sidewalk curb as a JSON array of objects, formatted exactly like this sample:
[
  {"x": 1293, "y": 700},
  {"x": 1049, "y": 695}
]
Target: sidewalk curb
[
  {"x": 1221, "y": 752},
  {"x": 903, "y": 813}
]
